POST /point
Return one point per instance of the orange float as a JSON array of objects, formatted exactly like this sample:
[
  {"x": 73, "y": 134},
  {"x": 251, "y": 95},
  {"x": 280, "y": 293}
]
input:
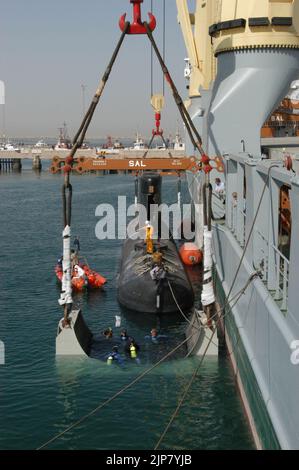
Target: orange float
[
  {"x": 190, "y": 254},
  {"x": 91, "y": 280}
]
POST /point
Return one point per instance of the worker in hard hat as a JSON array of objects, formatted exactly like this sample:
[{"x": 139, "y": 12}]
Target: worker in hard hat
[{"x": 149, "y": 232}]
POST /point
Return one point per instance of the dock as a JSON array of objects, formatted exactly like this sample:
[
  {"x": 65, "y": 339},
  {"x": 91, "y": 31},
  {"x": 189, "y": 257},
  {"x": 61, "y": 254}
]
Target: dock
[{"x": 48, "y": 154}]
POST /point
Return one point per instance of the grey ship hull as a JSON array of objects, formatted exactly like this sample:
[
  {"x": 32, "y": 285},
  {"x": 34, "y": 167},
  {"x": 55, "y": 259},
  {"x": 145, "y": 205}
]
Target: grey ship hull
[{"x": 261, "y": 328}]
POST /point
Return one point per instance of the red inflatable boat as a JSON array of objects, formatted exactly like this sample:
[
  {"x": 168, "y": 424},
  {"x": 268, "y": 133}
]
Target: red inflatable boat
[{"x": 90, "y": 280}]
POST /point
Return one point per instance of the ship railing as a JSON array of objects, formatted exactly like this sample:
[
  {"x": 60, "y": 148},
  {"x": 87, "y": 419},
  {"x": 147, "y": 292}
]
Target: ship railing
[
  {"x": 282, "y": 277},
  {"x": 243, "y": 221},
  {"x": 264, "y": 255},
  {"x": 238, "y": 222},
  {"x": 281, "y": 267},
  {"x": 234, "y": 214}
]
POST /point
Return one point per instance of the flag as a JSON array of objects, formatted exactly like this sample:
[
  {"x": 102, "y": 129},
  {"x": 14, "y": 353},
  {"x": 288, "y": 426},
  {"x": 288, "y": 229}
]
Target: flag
[{"x": 2, "y": 92}]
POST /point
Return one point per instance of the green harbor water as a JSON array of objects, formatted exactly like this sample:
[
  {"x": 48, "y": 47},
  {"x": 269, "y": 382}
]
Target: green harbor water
[{"x": 41, "y": 395}]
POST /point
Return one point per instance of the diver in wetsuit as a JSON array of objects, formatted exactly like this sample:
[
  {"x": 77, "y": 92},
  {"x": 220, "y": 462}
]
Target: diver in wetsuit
[
  {"x": 132, "y": 349},
  {"x": 155, "y": 337},
  {"x": 124, "y": 335},
  {"x": 108, "y": 333},
  {"x": 114, "y": 356}
]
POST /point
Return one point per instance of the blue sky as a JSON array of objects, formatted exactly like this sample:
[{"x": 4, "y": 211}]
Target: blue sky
[{"x": 50, "y": 47}]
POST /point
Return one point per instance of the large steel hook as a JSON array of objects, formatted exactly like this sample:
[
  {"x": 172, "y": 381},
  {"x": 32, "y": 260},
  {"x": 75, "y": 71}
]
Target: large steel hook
[{"x": 137, "y": 27}]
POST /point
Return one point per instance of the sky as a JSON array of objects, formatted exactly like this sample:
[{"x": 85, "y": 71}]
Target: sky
[{"x": 49, "y": 48}]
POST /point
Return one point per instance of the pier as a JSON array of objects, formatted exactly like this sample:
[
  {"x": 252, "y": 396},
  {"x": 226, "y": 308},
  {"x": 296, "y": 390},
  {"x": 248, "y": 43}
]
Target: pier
[{"x": 10, "y": 164}]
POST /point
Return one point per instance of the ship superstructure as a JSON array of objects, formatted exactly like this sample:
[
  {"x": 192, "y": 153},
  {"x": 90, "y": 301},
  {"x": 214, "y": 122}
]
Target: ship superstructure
[{"x": 243, "y": 57}]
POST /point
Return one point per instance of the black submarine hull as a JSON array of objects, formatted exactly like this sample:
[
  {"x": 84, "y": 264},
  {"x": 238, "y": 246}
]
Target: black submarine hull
[{"x": 137, "y": 290}]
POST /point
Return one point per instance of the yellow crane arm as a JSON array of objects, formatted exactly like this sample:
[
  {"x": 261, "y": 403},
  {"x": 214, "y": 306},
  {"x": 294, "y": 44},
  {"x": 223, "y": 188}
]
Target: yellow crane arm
[{"x": 184, "y": 19}]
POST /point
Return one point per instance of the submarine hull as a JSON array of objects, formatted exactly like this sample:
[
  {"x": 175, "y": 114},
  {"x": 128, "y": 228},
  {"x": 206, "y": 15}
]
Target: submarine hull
[{"x": 139, "y": 292}]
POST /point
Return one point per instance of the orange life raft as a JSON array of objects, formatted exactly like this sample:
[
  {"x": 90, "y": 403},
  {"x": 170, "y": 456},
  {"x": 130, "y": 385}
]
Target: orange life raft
[{"x": 91, "y": 280}]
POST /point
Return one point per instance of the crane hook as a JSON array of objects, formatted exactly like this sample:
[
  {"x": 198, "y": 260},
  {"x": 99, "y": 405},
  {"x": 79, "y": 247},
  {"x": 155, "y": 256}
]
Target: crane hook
[{"x": 137, "y": 27}]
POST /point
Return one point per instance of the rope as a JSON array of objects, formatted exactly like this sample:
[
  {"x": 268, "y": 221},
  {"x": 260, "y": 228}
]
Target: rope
[
  {"x": 178, "y": 306},
  {"x": 182, "y": 399},
  {"x": 236, "y": 297},
  {"x": 116, "y": 395}
]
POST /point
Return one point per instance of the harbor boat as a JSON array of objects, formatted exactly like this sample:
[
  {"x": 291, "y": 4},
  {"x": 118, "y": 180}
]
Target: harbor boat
[
  {"x": 41, "y": 144},
  {"x": 9, "y": 147},
  {"x": 152, "y": 278},
  {"x": 64, "y": 142},
  {"x": 139, "y": 144},
  {"x": 110, "y": 147},
  {"x": 85, "y": 279}
]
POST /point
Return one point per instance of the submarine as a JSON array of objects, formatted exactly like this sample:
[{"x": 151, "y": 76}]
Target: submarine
[{"x": 152, "y": 278}]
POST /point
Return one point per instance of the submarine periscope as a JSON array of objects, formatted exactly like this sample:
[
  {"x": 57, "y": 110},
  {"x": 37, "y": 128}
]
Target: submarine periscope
[{"x": 152, "y": 278}]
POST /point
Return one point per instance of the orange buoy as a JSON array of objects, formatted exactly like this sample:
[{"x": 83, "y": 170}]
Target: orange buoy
[{"x": 190, "y": 254}]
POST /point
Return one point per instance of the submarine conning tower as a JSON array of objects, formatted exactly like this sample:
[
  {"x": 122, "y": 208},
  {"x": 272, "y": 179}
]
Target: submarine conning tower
[
  {"x": 149, "y": 193},
  {"x": 253, "y": 58}
]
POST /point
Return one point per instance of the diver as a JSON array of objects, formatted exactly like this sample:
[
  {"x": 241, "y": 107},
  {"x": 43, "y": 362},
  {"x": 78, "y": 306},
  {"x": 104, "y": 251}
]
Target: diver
[
  {"x": 114, "y": 356},
  {"x": 155, "y": 337},
  {"x": 132, "y": 349},
  {"x": 108, "y": 333},
  {"x": 124, "y": 335}
]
